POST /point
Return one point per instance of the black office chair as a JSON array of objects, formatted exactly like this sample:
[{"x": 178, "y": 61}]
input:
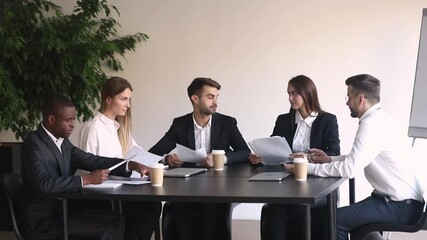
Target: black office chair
[
  {"x": 170, "y": 232},
  {"x": 11, "y": 185}
]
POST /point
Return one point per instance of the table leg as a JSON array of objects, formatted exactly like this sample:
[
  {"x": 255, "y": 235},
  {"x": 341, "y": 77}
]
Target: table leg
[
  {"x": 307, "y": 222},
  {"x": 332, "y": 215},
  {"x": 65, "y": 217}
]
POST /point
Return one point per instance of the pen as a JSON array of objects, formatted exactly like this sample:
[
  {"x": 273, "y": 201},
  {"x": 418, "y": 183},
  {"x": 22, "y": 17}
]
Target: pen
[{"x": 115, "y": 166}]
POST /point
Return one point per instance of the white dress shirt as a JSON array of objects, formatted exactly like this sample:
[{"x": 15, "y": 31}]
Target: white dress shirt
[
  {"x": 301, "y": 141},
  {"x": 202, "y": 135},
  {"x": 380, "y": 151}
]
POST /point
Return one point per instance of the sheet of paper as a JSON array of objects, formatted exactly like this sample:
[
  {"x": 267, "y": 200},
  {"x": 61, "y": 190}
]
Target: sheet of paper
[
  {"x": 129, "y": 180},
  {"x": 189, "y": 155},
  {"x": 105, "y": 184},
  {"x": 139, "y": 155},
  {"x": 272, "y": 150}
]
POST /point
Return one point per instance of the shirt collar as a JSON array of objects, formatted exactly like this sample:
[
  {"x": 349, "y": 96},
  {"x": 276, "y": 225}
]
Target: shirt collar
[
  {"x": 108, "y": 121},
  {"x": 308, "y": 120},
  {"x": 54, "y": 139},
  {"x": 197, "y": 126},
  {"x": 372, "y": 109}
]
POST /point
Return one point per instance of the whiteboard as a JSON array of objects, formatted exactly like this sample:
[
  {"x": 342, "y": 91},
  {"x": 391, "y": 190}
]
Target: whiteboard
[{"x": 418, "y": 117}]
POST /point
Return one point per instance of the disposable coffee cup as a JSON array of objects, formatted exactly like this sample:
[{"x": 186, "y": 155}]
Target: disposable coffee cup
[
  {"x": 218, "y": 159},
  {"x": 300, "y": 166},
  {"x": 156, "y": 174}
]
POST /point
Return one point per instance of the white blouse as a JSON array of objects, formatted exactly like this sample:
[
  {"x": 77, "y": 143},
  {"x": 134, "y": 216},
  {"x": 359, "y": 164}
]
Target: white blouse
[
  {"x": 301, "y": 141},
  {"x": 99, "y": 136}
]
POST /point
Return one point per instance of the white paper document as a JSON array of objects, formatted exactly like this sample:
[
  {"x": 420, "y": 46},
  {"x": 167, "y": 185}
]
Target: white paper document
[
  {"x": 186, "y": 154},
  {"x": 105, "y": 184},
  {"x": 137, "y": 154},
  {"x": 129, "y": 180},
  {"x": 272, "y": 150}
]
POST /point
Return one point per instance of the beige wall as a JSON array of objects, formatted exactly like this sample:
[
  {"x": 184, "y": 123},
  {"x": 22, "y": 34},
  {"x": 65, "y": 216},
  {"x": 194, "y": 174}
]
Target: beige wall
[{"x": 254, "y": 47}]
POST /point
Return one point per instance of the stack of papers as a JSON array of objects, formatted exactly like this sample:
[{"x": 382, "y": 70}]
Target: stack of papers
[
  {"x": 129, "y": 180},
  {"x": 106, "y": 184},
  {"x": 272, "y": 150}
]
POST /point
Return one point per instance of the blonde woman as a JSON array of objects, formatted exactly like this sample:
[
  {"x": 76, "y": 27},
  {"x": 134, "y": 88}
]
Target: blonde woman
[{"x": 109, "y": 134}]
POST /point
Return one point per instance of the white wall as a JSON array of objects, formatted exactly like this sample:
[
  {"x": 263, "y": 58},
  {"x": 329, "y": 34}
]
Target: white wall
[{"x": 253, "y": 48}]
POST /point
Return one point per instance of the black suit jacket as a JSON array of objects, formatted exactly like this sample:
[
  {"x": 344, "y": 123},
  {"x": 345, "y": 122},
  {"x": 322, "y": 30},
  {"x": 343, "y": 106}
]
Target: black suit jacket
[
  {"x": 224, "y": 136},
  {"x": 324, "y": 132},
  {"x": 46, "y": 170}
]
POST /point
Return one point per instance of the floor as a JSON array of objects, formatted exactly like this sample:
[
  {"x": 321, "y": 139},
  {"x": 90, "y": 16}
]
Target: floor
[{"x": 249, "y": 230}]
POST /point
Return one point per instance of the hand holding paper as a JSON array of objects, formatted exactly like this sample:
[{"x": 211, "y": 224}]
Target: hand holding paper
[
  {"x": 137, "y": 154},
  {"x": 272, "y": 150},
  {"x": 189, "y": 155}
]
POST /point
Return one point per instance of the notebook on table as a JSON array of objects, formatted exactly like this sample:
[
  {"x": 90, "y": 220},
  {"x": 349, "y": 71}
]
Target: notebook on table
[
  {"x": 184, "y": 172},
  {"x": 269, "y": 176}
]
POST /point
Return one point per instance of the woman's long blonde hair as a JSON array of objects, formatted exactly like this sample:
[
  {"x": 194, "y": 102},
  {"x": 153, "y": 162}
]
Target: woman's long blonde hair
[{"x": 112, "y": 87}]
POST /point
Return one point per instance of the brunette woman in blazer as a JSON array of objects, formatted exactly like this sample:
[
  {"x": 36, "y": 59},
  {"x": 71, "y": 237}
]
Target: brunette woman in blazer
[{"x": 305, "y": 126}]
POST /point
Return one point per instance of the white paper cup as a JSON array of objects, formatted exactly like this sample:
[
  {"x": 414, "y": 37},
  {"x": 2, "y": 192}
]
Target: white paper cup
[
  {"x": 300, "y": 166},
  {"x": 156, "y": 174},
  {"x": 218, "y": 159}
]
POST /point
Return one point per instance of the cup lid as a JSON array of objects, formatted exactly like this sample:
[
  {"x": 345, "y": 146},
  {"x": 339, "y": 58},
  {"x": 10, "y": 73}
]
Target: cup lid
[
  {"x": 156, "y": 165},
  {"x": 218, "y": 152},
  {"x": 300, "y": 160}
]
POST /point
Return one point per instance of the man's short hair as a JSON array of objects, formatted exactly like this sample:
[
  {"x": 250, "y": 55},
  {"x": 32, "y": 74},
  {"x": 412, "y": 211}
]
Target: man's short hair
[
  {"x": 367, "y": 85},
  {"x": 54, "y": 104},
  {"x": 197, "y": 84}
]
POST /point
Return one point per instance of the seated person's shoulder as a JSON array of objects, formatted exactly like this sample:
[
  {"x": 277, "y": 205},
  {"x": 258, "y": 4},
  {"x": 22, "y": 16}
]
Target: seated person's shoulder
[
  {"x": 225, "y": 118},
  {"x": 326, "y": 115},
  {"x": 283, "y": 116},
  {"x": 183, "y": 118}
]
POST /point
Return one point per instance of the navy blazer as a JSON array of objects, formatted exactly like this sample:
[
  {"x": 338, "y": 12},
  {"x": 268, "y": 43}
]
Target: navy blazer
[
  {"x": 324, "y": 132},
  {"x": 46, "y": 170},
  {"x": 224, "y": 136}
]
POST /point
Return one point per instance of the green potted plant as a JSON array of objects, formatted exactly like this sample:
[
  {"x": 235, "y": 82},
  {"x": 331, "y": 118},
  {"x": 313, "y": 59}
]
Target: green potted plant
[{"x": 44, "y": 52}]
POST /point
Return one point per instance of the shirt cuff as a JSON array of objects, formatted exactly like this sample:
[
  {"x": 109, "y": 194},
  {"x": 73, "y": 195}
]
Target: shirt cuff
[
  {"x": 311, "y": 168},
  {"x": 127, "y": 167},
  {"x": 81, "y": 180}
]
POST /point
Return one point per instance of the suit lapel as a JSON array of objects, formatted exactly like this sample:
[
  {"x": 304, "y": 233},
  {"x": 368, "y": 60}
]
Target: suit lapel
[
  {"x": 190, "y": 132},
  {"x": 52, "y": 147},
  {"x": 215, "y": 125},
  {"x": 66, "y": 155}
]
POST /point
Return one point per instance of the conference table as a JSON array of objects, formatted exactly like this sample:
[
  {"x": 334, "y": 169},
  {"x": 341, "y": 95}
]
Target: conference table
[{"x": 230, "y": 185}]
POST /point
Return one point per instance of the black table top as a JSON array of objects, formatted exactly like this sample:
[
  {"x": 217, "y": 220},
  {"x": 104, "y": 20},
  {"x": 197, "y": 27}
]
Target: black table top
[{"x": 229, "y": 185}]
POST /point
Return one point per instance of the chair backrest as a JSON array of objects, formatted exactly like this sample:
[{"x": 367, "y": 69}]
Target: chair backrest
[{"x": 11, "y": 185}]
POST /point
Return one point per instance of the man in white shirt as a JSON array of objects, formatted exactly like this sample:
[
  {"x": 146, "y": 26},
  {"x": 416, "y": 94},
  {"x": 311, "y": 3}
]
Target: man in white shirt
[{"x": 378, "y": 150}]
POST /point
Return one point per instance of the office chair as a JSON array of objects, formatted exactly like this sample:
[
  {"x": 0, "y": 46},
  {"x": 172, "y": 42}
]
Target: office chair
[
  {"x": 11, "y": 185},
  {"x": 168, "y": 223}
]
